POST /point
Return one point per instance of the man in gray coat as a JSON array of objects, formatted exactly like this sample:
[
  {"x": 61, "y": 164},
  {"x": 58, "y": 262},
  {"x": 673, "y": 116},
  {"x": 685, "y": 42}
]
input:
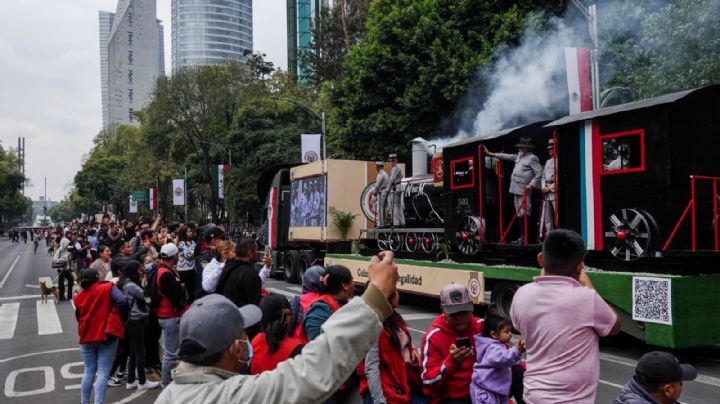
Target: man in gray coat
[
  {"x": 380, "y": 190},
  {"x": 525, "y": 176},
  {"x": 214, "y": 349},
  {"x": 548, "y": 189},
  {"x": 396, "y": 192}
]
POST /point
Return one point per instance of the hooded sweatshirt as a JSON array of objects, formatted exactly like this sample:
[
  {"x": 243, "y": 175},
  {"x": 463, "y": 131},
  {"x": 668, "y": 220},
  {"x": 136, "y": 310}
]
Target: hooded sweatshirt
[
  {"x": 441, "y": 377},
  {"x": 491, "y": 371},
  {"x": 634, "y": 393}
]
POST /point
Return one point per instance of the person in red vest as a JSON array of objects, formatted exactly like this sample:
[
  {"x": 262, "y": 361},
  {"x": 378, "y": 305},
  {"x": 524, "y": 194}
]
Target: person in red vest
[
  {"x": 275, "y": 343},
  {"x": 447, "y": 353},
  {"x": 97, "y": 309},
  {"x": 300, "y": 304},
  {"x": 391, "y": 368},
  {"x": 171, "y": 306},
  {"x": 336, "y": 288}
]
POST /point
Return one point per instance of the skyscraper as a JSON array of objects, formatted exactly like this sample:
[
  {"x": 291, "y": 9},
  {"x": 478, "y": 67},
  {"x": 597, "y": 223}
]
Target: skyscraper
[
  {"x": 301, "y": 15},
  {"x": 210, "y": 31},
  {"x": 131, "y": 59}
]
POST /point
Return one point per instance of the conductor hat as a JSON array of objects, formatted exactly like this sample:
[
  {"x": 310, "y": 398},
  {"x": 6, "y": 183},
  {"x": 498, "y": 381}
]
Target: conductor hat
[{"x": 525, "y": 142}]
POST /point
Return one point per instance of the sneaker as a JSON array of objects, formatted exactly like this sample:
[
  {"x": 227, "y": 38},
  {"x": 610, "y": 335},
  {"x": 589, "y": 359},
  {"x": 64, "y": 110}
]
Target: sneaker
[
  {"x": 148, "y": 385},
  {"x": 114, "y": 382},
  {"x": 131, "y": 386}
]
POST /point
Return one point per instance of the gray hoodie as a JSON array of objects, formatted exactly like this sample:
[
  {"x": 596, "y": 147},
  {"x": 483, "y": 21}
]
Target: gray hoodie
[
  {"x": 139, "y": 309},
  {"x": 634, "y": 393}
]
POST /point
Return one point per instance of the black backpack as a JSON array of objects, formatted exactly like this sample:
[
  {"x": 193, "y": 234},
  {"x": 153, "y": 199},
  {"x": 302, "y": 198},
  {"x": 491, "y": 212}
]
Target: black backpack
[{"x": 151, "y": 287}]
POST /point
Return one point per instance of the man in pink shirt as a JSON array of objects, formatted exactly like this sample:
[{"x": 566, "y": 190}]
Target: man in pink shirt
[{"x": 561, "y": 317}]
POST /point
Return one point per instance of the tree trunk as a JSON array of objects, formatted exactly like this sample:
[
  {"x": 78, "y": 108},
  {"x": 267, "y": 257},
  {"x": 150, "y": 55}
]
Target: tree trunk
[{"x": 343, "y": 20}]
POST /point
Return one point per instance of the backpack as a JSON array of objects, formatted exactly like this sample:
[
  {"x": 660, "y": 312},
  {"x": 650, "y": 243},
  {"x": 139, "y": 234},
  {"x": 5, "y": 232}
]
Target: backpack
[{"x": 151, "y": 288}]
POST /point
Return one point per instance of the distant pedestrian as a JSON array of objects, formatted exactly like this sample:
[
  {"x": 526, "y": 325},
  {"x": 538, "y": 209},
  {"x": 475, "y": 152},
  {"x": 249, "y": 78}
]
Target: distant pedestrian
[
  {"x": 63, "y": 255},
  {"x": 562, "y": 317},
  {"x": 97, "y": 308},
  {"x": 658, "y": 379},
  {"x": 35, "y": 245}
]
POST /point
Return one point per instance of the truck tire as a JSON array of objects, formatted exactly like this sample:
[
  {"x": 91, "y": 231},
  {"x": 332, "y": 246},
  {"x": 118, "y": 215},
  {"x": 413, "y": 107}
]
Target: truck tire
[
  {"x": 502, "y": 295},
  {"x": 289, "y": 267},
  {"x": 304, "y": 259}
]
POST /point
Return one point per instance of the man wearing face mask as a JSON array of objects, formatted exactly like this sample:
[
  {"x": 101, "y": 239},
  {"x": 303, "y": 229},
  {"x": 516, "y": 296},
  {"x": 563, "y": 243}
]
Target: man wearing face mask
[
  {"x": 215, "y": 348},
  {"x": 526, "y": 176},
  {"x": 239, "y": 281}
]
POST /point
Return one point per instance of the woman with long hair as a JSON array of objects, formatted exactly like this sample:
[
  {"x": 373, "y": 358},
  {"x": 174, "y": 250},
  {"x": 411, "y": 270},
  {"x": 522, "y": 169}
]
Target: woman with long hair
[
  {"x": 275, "y": 342},
  {"x": 222, "y": 252},
  {"x": 133, "y": 274},
  {"x": 97, "y": 309},
  {"x": 186, "y": 262}
]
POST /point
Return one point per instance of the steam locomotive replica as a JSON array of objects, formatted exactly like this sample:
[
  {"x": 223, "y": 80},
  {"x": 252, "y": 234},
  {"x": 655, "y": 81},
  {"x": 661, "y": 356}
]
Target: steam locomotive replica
[{"x": 657, "y": 211}]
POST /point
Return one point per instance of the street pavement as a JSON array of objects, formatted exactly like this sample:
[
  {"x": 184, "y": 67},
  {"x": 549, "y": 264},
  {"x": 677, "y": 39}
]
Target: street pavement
[{"x": 40, "y": 360}]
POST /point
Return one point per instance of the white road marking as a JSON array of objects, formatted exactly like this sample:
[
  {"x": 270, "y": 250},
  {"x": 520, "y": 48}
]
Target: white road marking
[
  {"x": 131, "y": 397},
  {"x": 21, "y": 297},
  {"x": 49, "y": 385},
  {"x": 295, "y": 288},
  {"x": 12, "y": 267},
  {"x": 620, "y": 386},
  {"x": 47, "y": 318},
  {"x": 32, "y": 286},
  {"x": 282, "y": 292},
  {"x": 418, "y": 316},
  {"x": 38, "y": 353},
  {"x": 8, "y": 319}
]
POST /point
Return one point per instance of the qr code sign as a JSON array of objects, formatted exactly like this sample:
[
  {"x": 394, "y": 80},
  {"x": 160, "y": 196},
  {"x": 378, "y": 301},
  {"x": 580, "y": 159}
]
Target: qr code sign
[{"x": 652, "y": 300}]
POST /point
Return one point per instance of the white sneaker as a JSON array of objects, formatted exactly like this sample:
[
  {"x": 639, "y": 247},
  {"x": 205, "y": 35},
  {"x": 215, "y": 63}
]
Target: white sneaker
[
  {"x": 149, "y": 385},
  {"x": 131, "y": 386}
]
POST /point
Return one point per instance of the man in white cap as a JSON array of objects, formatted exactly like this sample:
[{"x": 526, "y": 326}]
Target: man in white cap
[
  {"x": 214, "y": 348},
  {"x": 170, "y": 296},
  {"x": 380, "y": 191},
  {"x": 396, "y": 192}
]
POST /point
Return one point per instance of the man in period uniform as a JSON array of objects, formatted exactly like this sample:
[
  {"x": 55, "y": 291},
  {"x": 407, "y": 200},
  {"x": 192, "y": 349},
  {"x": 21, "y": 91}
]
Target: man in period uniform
[
  {"x": 396, "y": 192},
  {"x": 526, "y": 175},
  {"x": 548, "y": 188},
  {"x": 380, "y": 191}
]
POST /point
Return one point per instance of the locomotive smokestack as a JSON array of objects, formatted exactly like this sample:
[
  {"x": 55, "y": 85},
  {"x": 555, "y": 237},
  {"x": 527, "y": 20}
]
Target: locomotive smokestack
[{"x": 419, "y": 157}]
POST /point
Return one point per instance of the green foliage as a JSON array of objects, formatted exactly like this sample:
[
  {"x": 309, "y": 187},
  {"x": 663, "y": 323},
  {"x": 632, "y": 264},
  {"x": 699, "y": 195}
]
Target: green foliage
[
  {"x": 13, "y": 205},
  {"x": 343, "y": 221},
  {"x": 417, "y": 59},
  {"x": 642, "y": 53}
]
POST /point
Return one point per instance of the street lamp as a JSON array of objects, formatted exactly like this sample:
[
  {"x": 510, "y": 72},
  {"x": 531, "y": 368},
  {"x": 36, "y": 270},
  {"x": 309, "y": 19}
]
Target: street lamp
[
  {"x": 320, "y": 116},
  {"x": 223, "y": 147}
]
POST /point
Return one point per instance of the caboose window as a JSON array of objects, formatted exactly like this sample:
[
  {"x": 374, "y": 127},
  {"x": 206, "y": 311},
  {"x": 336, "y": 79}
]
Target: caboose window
[
  {"x": 623, "y": 152},
  {"x": 463, "y": 175}
]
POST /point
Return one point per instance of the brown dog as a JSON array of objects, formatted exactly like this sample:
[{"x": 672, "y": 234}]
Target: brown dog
[{"x": 47, "y": 288}]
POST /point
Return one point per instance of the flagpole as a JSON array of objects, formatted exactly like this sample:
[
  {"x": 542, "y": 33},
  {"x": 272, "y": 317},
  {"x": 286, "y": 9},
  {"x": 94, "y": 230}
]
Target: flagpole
[{"x": 185, "y": 194}]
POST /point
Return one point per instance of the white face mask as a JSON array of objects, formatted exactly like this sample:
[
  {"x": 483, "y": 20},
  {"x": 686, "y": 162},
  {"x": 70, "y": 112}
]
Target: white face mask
[{"x": 249, "y": 352}]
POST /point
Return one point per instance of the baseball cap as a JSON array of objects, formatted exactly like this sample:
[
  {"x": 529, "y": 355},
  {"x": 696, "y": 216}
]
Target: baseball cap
[
  {"x": 662, "y": 367},
  {"x": 168, "y": 250},
  {"x": 214, "y": 232},
  {"x": 454, "y": 298},
  {"x": 213, "y": 323}
]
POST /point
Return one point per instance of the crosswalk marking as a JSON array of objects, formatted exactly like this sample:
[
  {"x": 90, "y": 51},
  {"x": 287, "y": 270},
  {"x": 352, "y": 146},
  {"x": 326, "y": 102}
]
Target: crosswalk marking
[
  {"x": 47, "y": 318},
  {"x": 8, "y": 319}
]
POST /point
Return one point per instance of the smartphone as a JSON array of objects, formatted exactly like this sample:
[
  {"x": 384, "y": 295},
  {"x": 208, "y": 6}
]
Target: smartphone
[{"x": 462, "y": 342}]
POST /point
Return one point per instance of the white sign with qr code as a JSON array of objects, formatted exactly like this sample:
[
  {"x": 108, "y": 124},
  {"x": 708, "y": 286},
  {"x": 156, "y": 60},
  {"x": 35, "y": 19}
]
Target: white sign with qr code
[{"x": 652, "y": 300}]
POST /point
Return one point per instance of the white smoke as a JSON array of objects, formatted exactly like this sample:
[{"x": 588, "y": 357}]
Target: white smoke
[{"x": 523, "y": 84}]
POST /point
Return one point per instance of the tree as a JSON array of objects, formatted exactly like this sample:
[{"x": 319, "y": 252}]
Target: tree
[
  {"x": 417, "y": 59},
  {"x": 13, "y": 205}
]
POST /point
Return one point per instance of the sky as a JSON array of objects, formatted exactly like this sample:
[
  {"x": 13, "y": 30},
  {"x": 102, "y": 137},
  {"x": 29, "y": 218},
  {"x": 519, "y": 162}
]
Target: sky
[{"x": 50, "y": 79}]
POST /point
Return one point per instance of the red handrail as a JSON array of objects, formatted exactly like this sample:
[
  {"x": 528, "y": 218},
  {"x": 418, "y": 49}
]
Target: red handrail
[
  {"x": 691, "y": 207},
  {"x": 523, "y": 206}
]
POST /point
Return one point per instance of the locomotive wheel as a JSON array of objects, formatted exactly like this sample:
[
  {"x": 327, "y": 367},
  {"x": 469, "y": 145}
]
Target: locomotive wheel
[
  {"x": 395, "y": 241},
  {"x": 468, "y": 235},
  {"x": 632, "y": 235},
  {"x": 411, "y": 242},
  {"x": 382, "y": 241},
  {"x": 429, "y": 242}
]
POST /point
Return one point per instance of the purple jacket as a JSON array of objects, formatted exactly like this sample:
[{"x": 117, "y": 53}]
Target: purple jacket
[{"x": 491, "y": 370}]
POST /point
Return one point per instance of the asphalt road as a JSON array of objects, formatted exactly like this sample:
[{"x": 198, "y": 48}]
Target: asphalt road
[{"x": 40, "y": 360}]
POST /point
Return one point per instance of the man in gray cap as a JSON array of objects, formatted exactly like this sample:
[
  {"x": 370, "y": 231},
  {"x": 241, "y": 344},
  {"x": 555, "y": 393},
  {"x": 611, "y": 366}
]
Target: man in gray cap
[
  {"x": 214, "y": 348},
  {"x": 381, "y": 193},
  {"x": 525, "y": 176},
  {"x": 396, "y": 192}
]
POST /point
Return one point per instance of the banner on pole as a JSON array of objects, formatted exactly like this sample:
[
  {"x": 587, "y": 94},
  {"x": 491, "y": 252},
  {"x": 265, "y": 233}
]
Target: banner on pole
[
  {"x": 133, "y": 206},
  {"x": 577, "y": 64},
  {"x": 152, "y": 198},
  {"x": 179, "y": 192},
  {"x": 310, "y": 148},
  {"x": 219, "y": 181}
]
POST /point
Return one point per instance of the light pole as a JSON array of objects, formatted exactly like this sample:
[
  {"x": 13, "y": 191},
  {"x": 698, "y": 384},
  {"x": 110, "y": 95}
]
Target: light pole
[
  {"x": 320, "y": 116},
  {"x": 590, "y": 14}
]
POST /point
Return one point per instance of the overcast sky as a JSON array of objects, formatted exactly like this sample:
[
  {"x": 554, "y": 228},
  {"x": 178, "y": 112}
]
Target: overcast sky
[{"x": 50, "y": 79}]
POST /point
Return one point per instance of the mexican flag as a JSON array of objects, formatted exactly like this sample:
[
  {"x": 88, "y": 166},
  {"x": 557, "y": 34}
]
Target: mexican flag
[{"x": 152, "y": 198}]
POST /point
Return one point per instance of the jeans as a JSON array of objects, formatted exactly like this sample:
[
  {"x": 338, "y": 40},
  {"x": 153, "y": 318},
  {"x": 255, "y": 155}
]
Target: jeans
[
  {"x": 98, "y": 358},
  {"x": 135, "y": 331},
  {"x": 171, "y": 335}
]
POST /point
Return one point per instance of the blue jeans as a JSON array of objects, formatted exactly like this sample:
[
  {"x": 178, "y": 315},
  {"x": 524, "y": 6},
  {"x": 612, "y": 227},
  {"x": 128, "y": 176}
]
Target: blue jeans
[
  {"x": 98, "y": 359},
  {"x": 171, "y": 336}
]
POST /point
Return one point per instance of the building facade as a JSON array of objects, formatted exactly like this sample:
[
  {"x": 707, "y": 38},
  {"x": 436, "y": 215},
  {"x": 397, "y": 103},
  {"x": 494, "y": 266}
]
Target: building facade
[
  {"x": 210, "y": 31},
  {"x": 132, "y": 58},
  {"x": 300, "y": 17}
]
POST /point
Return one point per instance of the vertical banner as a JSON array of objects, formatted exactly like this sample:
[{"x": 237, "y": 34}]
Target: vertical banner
[
  {"x": 152, "y": 198},
  {"x": 577, "y": 65},
  {"x": 133, "y": 206},
  {"x": 310, "y": 146},
  {"x": 219, "y": 181},
  {"x": 179, "y": 192}
]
